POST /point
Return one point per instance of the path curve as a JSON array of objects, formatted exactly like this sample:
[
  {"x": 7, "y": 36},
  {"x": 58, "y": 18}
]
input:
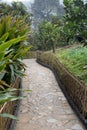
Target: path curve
[{"x": 45, "y": 108}]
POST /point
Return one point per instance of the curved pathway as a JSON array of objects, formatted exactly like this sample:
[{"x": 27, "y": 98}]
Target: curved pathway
[{"x": 45, "y": 108}]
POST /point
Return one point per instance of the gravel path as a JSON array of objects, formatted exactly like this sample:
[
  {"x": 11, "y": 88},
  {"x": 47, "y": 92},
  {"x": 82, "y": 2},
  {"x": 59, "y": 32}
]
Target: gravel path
[{"x": 45, "y": 108}]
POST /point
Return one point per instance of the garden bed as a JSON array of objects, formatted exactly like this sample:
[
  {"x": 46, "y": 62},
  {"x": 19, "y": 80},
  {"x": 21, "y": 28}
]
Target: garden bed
[
  {"x": 73, "y": 88},
  {"x": 8, "y": 107}
]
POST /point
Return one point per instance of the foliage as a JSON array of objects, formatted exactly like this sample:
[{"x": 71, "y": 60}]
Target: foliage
[
  {"x": 45, "y": 9},
  {"x": 14, "y": 32},
  {"x": 12, "y": 35},
  {"x": 47, "y": 36},
  {"x": 4, "y": 9},
  {"x": 75, "y": 59},
  {"x": 75, "y": 20},
  {"x": 16, "y": 9},
  {"x": 6, "y": 54},
  {"x": 9, "y": 95}
]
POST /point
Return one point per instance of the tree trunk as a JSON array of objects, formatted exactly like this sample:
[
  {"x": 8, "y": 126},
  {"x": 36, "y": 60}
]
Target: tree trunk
[{"x": 53, "y": 47}]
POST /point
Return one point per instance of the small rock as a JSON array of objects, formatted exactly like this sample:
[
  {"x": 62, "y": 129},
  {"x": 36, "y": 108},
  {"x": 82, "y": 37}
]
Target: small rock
[
  {"x": 51, "y": 120},
  {"x": 77, "y": 127},
  {"x": 85, "y": 67}
]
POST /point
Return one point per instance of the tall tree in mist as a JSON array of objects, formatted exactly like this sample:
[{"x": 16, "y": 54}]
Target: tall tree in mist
[{"x": 45, "y": 9}]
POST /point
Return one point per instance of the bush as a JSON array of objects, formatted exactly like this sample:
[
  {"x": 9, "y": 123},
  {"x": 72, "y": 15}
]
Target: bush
[
  {"x": 75, "y": 21},
  {"x": 13, "y": 36}
]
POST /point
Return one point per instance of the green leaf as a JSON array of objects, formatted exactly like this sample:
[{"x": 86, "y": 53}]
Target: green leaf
[
  {"x": 12, "y": 72},
  {"x": 2, "y": 66},
  {"x": 4, "y": 37},
  {"x": 5, "y": 97},
  {"x": 18, "y": 98},
  {"x": 1, "y": 55},
  {"x": 2, "y": 75},
  {"x": 8, "y": 44},
  {"x": 9, "y": 51},
  {"x": 22, "y": 52},
  {"x": 9, "y": 116}
]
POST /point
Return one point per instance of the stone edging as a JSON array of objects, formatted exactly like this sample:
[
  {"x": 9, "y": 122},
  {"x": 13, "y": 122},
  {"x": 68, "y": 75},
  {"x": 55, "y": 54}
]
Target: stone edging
[{"x": 74, "y": 90}]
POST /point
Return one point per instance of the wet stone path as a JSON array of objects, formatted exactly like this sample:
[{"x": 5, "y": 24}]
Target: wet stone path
[{"x": 45, "y": 108}]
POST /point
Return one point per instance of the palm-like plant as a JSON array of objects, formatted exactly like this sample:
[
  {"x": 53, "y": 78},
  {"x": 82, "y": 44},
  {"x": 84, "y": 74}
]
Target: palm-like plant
[{"x": 13, "y": 34}]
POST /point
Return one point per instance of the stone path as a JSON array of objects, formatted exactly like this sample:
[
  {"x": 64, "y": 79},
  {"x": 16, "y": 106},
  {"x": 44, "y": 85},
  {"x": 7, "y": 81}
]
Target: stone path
[{"x": 45, "y": 108}]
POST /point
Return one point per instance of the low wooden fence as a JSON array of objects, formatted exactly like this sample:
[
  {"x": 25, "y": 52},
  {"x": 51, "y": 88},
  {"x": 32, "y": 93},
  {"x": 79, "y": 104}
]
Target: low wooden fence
[
  {"x": 31, "y": 55},
  {"x": 74, "y": 88}
]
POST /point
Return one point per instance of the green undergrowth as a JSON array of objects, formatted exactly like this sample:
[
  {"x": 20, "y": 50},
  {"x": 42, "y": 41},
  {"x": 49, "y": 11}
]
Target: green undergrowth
[{"x": 75, "y": 60}]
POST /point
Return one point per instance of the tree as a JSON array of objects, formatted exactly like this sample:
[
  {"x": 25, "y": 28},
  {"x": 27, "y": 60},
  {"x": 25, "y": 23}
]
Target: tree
[
  {"x": 16, "y": 9},
  {"x": 45, "y": 9},
  {"x": 75, "y": 20},
  {"x": 4, "y": 9},
  {"x": 19, "y": 7},
  {"x": 47, "y": 36}
]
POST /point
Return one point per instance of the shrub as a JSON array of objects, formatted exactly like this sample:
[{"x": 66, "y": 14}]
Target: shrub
[{"x": 13, "y": 35}]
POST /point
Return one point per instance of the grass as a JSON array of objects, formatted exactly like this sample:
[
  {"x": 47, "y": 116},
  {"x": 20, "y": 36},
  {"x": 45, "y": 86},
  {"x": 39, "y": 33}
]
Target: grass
[{"x": 75, "y": 59}]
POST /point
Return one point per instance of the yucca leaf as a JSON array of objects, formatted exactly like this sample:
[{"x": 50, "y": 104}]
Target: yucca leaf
[
  {"x": 18, "y": 98},
  {"x": 3, "y": 27},
  {"x": 2, "y": 55},
  {"x": 8, "y": 115},
  {"x": 19, "y": 73},
  {"x": 21, "y": 52},
  {"x": 0, "y": 29},
  {"x": 10, "y": 89},
  {"x": 4, "y": 37},
  {"x": 9, "y": 51},
  {"x": 23, "y": 32},
  {"x": 12, "y": 72},
  {"x": 6, "y": 97},
  {"x": 9, "y": 96},
  {"x": 9, "y": 43},
  {"x": 4, "y": 83},
  {"x": 1, "y": 87},
  {"x": 2, "y": 66},
  {"x": 2, "y": 74}
]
